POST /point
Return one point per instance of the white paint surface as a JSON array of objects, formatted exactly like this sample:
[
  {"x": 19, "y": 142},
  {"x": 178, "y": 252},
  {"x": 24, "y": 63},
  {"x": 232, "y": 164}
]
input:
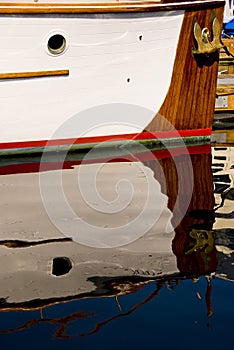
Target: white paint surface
[{"x": 103, "y": 52}]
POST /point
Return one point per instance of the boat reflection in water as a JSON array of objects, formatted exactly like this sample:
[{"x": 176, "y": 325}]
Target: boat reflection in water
[{"x": 41, "y": 265}]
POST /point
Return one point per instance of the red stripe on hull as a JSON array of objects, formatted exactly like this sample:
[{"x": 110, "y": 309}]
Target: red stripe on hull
[{"x": 98, "y": 139}]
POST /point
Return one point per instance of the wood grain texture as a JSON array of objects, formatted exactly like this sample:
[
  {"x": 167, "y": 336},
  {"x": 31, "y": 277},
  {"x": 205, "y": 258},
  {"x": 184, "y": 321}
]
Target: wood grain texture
[
  {"x": 196, "y": 211},
  {"x": 37, "y": 74},
  {"x": 187, "y": 180},
  {"x": 108, "y": 7},
  {"x": 200, "y": 216},
  {"x": 190, "y": 101}
]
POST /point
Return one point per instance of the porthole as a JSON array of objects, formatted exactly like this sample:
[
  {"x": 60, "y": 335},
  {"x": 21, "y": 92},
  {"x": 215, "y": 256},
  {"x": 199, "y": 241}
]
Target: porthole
[{"x": 56, "y": 44}]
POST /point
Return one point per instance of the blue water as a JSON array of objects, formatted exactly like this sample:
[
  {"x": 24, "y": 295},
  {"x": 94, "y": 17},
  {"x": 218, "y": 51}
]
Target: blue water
[{"x": 173, "y": 318}]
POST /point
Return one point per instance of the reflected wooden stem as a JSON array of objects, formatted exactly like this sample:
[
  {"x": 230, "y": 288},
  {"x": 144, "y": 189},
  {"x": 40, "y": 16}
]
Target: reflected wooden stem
[
  {"x": 64, "y": 321},
  {"x": 208, "y": 297}
]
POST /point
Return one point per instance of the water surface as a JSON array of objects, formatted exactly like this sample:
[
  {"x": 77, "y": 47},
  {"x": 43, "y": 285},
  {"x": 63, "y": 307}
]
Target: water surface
[{"x": 129, "y": 252}]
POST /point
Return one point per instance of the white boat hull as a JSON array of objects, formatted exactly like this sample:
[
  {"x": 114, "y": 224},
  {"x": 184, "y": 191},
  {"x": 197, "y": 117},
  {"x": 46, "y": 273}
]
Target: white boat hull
[{"x": 121, "y": 59}]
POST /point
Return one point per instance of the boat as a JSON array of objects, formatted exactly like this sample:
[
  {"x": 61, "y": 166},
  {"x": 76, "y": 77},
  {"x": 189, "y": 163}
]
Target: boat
[
  {"x": 222, "y": 229},
  {"x": 228, "y": 27},
  {"x": 77, "y": 74}
]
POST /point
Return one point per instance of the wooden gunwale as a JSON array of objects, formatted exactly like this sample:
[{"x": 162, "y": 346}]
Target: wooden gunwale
[
  {"x": 115, "y": 7},
  {"x": 37, "y": 74}
]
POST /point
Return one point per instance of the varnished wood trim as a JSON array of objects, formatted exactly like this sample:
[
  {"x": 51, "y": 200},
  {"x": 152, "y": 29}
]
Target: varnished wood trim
[
  {"x": 39, "y": 74},
  {"x": 224, "y": 90},
  {"x": 190, "y": 100},
  {"x": 133, "y": 6}
]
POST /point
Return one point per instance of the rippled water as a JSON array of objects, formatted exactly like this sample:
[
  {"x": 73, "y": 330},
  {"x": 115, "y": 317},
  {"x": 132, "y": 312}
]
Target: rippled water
[{"x": 127, "y": 251}]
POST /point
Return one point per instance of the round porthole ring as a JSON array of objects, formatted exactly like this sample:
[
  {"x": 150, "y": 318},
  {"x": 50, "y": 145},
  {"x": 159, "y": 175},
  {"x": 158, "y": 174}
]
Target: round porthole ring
[{"x": 56, "y": 51}]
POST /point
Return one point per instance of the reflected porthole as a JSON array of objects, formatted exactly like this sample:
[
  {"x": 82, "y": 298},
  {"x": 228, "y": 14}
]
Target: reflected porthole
[
  {"x": 61, "y": 266},
  {"x": 56, "y": 44}
]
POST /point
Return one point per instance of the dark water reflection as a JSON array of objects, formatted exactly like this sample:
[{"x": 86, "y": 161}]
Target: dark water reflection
[{"x": 172, "y": 286}]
